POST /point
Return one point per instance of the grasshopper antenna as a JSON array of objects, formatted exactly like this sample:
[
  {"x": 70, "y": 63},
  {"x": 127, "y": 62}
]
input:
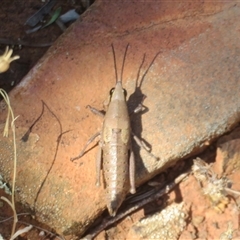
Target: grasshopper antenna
[
  {"x": 124, "y": 58},
  {"x": 115, "y": 62}
]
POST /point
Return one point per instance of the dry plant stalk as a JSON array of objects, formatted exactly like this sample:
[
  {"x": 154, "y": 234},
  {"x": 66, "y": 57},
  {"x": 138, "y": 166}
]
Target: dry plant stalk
[
  {"x": 10, "y": 117},
  {"x": 217, "y": 189},
  {"x": 10, "y": 114},
  {"x": 6, "y": 59},
  {"x": 5, "y": 134}
]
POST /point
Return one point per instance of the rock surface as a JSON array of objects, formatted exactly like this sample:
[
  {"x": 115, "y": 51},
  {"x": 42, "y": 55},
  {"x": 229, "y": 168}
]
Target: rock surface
[
  {"x": 191, "y": 88},
  {"x": 205, "y": 221},
  {"x": 228, "y": 153},
  {"x": 167, "y": 224}
]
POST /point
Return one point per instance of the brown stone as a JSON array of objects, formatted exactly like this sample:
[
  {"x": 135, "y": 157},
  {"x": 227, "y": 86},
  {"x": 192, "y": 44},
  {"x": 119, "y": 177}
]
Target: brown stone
[
  {"x": 227, "y": 159},
  {"x": 191, "y": 90}
]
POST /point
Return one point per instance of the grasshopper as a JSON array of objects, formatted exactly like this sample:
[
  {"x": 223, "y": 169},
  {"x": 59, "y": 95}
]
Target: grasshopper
[{"x": 115, "y": 154}]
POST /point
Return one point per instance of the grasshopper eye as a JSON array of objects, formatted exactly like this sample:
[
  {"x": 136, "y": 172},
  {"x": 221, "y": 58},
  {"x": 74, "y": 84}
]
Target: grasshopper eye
[
  {"x": 125, "y": 92},
  {"x": 111, "y": 91}
]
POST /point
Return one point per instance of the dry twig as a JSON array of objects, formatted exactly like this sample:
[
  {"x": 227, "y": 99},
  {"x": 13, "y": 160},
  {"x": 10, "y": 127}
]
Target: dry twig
[{"x": 130, "y": 210}]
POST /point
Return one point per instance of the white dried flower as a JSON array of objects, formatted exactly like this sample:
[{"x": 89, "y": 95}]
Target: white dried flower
[{"x": 6, "y": 59}]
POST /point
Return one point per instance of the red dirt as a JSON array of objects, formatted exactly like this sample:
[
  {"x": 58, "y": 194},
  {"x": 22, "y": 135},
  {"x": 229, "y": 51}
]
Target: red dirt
[{"x": 205, "y": 221}]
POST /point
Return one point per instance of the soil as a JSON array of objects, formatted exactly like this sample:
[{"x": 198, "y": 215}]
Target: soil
[
  {"x": 13, "y": 16},
  {"x": 207, "y": 219},
  {"x": 209, "y": 215}
]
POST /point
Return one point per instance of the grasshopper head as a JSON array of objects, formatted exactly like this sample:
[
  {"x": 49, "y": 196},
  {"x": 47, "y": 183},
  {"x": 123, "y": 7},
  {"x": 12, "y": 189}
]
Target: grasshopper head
[{"x": 118, "y": 93}]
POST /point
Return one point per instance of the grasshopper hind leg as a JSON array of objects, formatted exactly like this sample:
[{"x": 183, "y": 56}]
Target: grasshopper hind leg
[
  {"x": 99, "y": 164},
  {"x": 132, "y": 172},
  {"x": 90, "y": 140}
]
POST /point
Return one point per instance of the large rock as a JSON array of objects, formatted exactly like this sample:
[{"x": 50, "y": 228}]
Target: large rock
[{"x": 192, "y": 91}]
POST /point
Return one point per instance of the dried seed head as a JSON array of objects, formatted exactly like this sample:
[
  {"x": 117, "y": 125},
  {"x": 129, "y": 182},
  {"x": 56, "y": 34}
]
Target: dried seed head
[{"x": 6, "y": 59}]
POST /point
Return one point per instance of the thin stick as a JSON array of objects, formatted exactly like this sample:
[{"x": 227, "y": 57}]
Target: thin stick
[
  {"x": 132, "y": 209},
  {"x": 10, "y": 112},
  {"x": 42, "y": 229}
]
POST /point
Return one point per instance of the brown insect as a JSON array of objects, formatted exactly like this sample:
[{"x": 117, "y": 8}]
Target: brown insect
[{"x": 115, "y": 154}]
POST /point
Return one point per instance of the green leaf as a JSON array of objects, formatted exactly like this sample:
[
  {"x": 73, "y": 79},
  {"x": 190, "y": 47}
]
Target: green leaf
[
  {"x": 38, "y": 16},
  {"x": 54, "y": 17}
]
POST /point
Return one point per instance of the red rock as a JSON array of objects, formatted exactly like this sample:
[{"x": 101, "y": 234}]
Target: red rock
[
  {"x": 227, "y": 159},
  {"x": 191, "y": 91}
]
